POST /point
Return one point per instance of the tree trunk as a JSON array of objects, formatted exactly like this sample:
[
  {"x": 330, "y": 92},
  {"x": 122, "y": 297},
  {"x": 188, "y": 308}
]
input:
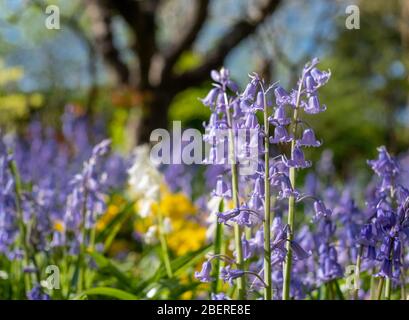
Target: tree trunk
[{"x": 155, "y": 114}]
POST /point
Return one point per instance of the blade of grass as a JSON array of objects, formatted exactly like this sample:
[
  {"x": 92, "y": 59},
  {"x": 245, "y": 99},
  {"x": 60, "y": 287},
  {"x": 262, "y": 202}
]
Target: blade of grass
[{"x": 107, "y": 292}]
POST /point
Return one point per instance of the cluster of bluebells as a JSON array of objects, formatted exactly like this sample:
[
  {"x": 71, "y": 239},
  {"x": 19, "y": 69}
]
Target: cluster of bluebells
[
  {"x": 385, "y": 230},
  {"x": 65, "y": 180},
  {"x": 335, "y": 238},
  {"x": 85, "y": 202},
  {"x": 66, "y": 177},
  {"x": 237, "y": 112},
  {"x": 8, "y": 227}
]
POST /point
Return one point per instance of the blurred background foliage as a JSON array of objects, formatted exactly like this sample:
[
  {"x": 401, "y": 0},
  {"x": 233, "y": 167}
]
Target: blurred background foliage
[{"x": 42, "y": 70}]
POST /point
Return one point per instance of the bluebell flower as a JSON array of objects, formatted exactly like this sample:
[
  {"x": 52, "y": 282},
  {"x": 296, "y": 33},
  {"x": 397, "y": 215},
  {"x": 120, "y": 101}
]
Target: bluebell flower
[
  {"x": 386, "y": 269},
  {"x": 250, "y": 121},
  {"x": 321, "y": 210},
  {"x": 204, "y": 274},
  {"x": 257, "y": 242},
  {"x": 320, "y": 77},
  {"x": 250, "y": 91},
  {"x": 280, "y": 117},
  {"x": 299, "y": 252},
  {"x": 221, "y": 190},
  {"x": 308, "y": 139},
  {"x": 313, "y": 106},
  {"x": 223, "y": 77},
  {"x": 245, "y": 215},
  {"x": 297, "y": 160},
  {"x": 228, "y": 275},
  {"x": 385, "y": 165},
  {"x": 329, "y": 266},
  {"x": 220, "y": 296},
  {"x": 37, "y": 294},
  {"x": 247, "y": 252},
  {"x": 281, "y": 135},
  {"x": 397, "y": 251},
  {"x": 282, "y": 96},
  {"x": 310, "y": 84},
  {"x": 256, "y": 201},
  {"x": 224, "y": 217},
  {"x": 367, "y": 236}
]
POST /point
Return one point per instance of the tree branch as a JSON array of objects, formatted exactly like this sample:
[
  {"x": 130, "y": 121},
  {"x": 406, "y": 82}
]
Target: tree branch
[
  {"x": 101, "y": 19},
  {"x": 201, "y": 13},
  {"x": 140, "y": 17},
  {"x": 231, "y": 39}
]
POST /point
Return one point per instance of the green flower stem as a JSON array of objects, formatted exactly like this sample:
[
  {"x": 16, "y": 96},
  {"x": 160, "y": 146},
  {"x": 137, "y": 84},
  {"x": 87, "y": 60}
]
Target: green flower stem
[
  {"x": 164, "y": 245},
  {"x": 358, "y": 271},
  {"x": 403, "y": 285},
  {"x": 372, "y": 286},
  {"x": 89, "y": 273},
  {"x": 241, "y": 282},
  {"x": 331, "y": 290},
  {"x": 380, "y": 288},
  {"x": 81, "y": 257},
  {"x": 388, "y": 289},
  {"x": 22, "y": 227},
  {"x": 267, "y": 213},
  {"x": 218, "y": 250},
  {"x": 291, "y": 204},
  {"x": 338, "y": 290}
]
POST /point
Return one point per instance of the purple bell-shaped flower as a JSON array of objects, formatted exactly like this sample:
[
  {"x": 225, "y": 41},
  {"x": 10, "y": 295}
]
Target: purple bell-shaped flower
[
  {"x": 237, "y": 109},
  {"x": 211, "y": 97},
  {"x": 280, "y": 117},
  {"x": 397, "y": 251},
  {"x": 313, "y": 106},
  {"x": 310, "y": 84},
  {"x": 224, "y": 217},
  {"x": 282, "y": 96},
  {"x": 297, "y": 160},
  {"x": 251, "y": 121},
  {"x": 256, "y": 202},
  {"x": 243, "y": 218},
  {"x": 299, "y": 252},
  {"x": 286, "y": 188},
  {"x": 204, "y": 274},
  {"x": 281, "y": 135},
  {"x": 386, "y": 269},
  {"x": 247, "y": 252},
  {"x": 321, "y": 210},
  {"x": 220, "y": 296},
  {"x": 366, "y": 237},
  {"x": 259, "y": 104},
  {"x": 385, "y": 248},
  {"x": 228, "y": 275},
  {"x": 385, "y": 165},
  {"x": 308, "y": 139},
  {"x": 221, "y": 190},
  {"x": 250, "y": 91},
  {"x": 220, "y": 104},
  {"x": 320, "y": 77}
]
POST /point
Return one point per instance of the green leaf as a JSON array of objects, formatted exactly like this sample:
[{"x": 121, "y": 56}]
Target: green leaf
[
  {"x": 107, "y": 292},
  {"x": 107, "y": 265},
  {"x": 179, "y": 265}
]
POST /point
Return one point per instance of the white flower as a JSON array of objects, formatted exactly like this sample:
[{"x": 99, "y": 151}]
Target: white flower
[
  {"x": 144, "y": 178},
  {"x": 144, "y": 207},
  {"x": 167, "y": 225},
  {"x": 150, "y": 235},
  {"x": 213, "y": 207}
]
